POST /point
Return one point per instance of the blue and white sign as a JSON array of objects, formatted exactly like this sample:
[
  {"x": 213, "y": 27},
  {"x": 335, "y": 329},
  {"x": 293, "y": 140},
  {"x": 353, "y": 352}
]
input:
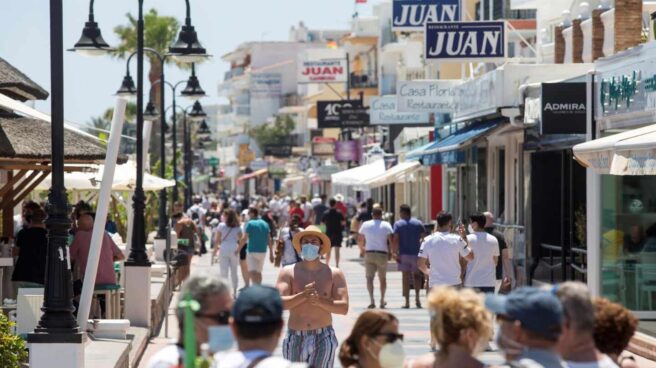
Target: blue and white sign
[
  {"x": 465, "y": 41},
  {"x": 412, "y": 15},
  {"x": 384, "y": 110}
]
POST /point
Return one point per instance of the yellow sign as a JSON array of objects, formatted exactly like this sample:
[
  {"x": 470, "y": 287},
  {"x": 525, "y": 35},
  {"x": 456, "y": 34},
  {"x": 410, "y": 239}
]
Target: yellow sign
[{"x": 245, "y": 155}]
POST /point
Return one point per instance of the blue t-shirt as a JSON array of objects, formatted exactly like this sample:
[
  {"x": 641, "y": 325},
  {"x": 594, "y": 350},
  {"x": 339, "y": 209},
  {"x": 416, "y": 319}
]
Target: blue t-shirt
[
  {"x": 409, "y": 232},
  {"x": 258, "y": 235}
]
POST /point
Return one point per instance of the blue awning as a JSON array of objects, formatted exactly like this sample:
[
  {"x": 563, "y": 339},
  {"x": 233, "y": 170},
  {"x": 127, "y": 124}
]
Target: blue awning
[
  {"x": 449, "y": 150},
  {"x": 416, "y": 153}
]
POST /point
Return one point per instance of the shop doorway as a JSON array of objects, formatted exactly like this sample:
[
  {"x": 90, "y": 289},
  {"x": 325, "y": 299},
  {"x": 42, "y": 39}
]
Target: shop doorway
[{"x": 557, "y": 241}]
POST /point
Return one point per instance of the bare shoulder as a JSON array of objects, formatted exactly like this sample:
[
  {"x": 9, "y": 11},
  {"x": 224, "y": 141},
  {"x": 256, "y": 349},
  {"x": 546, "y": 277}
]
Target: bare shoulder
[
  {"x": 336, "y": 272},
  {"x": 424, "y": 361}
]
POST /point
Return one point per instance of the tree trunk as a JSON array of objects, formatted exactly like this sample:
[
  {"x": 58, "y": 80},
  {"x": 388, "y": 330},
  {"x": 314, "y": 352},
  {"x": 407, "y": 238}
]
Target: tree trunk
[{"x": 155, "y": 93}]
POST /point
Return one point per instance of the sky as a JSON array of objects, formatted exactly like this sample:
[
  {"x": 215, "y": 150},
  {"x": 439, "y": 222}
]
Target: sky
[{"x": 90, "y": 82}]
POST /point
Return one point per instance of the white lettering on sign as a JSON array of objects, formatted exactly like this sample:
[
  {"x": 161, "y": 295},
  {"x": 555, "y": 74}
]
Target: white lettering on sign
[
  {"x": 564, "y": 106},
  {"x": 465, "y": 43},
  {"x": 418, "y": 14}
]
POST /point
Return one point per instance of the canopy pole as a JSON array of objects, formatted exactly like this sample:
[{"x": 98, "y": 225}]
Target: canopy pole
[
  {"x": 147, "y": 129},
  {"x": 101, "y": 214}
]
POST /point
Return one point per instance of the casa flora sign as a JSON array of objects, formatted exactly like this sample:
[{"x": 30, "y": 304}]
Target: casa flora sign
[
  {"x": 322, "y": 66},
  {"x": 437, "y": 96},
  {"x": 465, "y": 41},
  {"x": 412, "y": 15}
]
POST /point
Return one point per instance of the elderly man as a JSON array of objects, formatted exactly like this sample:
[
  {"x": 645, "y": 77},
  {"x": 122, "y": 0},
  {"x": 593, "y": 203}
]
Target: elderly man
[
  {"x": 211, "y": 320},
  {"x": 577, "y": 344},
  {"x": 530, "y": 324},
  {"x": 312, "y": 291}
]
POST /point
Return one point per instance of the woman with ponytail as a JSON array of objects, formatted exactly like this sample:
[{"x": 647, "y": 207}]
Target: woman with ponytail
[
  {"x": 374, "y": 342},
  {"x": 462, "y": 327}
]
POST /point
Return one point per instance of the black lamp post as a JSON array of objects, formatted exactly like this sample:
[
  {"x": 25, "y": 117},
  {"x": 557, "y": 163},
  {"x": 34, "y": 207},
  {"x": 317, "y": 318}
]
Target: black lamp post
[
  {"x": 196, "y": 114},
  {"x": 185, "y": 49},
  {"x": 193, "y": 90},
  {"x": 57, "y": 324},
  {"x": 91, "y": 42}
]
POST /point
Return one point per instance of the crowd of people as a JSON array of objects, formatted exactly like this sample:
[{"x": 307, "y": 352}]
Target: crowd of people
[{"x": 465, "y": 268}]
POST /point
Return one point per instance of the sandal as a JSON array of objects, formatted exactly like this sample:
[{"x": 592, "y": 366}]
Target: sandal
[
  {"x": 383, "y": 305},
  {"x": 371, "y": 306}
]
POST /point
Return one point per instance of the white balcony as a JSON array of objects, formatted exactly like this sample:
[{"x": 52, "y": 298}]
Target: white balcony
[
  {"x": 548, "y": 53},
  {"x": 410, "y": 73},
  {"x": 569, "y": 45}
]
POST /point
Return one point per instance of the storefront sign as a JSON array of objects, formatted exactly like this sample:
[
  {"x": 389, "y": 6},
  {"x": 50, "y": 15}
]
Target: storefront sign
[
  {"x": 390, "y": 161},
  {"x": 354, "y": 117},
  {"x": 437, "y": 96},
  {"x": 383, "y": 111},
  {"x": 322, "y": 66},
  {"x": 322, "y": 146},
  {"x": 278, "y": 150},
  {"x": 532, "y": 110},
  {"x": 329, "y": 112},
  {"x": 412, "y": 15},
  {"x": 266, "y": 85},
  {"x": 465, "y": 41},
  {"x": 563, "y": 108},
  {"x": 245, "y": 155},
  {"x": 347, "y": 151}
]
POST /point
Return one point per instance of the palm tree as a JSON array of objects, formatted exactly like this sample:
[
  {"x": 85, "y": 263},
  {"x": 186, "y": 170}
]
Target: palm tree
[{"x": 159, "y": 33}]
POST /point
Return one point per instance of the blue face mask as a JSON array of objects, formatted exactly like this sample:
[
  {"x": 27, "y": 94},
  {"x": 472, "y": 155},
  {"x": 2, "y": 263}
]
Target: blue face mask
[
  {"x": 309, "y": 252},
  {"x": 220, "y": 338}
]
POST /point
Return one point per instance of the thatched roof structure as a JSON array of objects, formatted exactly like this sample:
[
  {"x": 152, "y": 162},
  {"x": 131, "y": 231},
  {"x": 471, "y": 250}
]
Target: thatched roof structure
[
  {"x": 15, "y": 84},
  {"x": 29, "y": 139}
]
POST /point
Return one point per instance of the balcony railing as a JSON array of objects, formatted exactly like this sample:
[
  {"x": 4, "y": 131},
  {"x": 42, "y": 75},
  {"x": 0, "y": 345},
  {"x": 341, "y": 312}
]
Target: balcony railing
[
  {"x": 411, "y": 73},
  {"x": 233, "y": 73},
  {"x": 363, "y": 81}
]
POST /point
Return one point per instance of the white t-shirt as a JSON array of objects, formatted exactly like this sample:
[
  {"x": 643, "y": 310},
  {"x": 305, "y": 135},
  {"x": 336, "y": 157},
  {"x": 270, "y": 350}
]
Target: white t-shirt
[
  {"x": 288, "y": 251},
  {"x": 376, "y": 233},
  {"x": 238, "y": 359},
  {"x": 229, "y": 237},
  {"x": 168, "y": 357},
  {"x": 307, "y": 208},
  {"x": 605, "y": 362},
  {"x": 443, "y": 252},
  {"x": 481, "y": 271}
]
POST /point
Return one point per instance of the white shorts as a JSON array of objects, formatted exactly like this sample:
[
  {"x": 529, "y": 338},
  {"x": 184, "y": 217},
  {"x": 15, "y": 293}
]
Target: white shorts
[{"x": 255, "y": 261}]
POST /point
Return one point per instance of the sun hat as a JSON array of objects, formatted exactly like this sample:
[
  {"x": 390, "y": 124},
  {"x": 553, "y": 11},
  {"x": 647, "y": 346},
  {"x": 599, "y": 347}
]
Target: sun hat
[
  {"x": 312, "y": 230},
  {"x": 339, "y": 197}
]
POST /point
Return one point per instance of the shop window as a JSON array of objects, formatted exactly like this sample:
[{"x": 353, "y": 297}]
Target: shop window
[{"x": 628, "y": 240}]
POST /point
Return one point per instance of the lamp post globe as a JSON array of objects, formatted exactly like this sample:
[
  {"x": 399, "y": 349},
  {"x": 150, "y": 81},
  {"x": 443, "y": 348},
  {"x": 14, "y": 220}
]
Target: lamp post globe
[
  {"x": 187, "y": 48},
  {"x": 128, "y": 88},
  {"x": 193, "y": 91},
  {"x": 197, "y": 113},
  {"x": 91, "y": 42}
]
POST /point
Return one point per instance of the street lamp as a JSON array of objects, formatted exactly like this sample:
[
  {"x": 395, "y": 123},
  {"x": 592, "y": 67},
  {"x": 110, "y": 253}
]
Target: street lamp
[
  {"x": 193, "y": 90},
  {"x": 151, "y": 114},
  {"x": 196, "y": 114},
  {"x": 57, "y": 324},
  {"x": 91, "y": 43},
  {"x": 127, "y": 89},
  {"x": 186, "y": 49}
]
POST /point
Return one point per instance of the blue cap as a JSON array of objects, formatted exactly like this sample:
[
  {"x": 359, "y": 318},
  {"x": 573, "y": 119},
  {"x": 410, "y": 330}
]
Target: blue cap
[
  {"x": 258, "y": 304},
  {"x": 539, "y": 311}
]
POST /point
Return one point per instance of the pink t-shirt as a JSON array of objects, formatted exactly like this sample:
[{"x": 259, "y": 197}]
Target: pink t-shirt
[{"x": 109, "y": 250}]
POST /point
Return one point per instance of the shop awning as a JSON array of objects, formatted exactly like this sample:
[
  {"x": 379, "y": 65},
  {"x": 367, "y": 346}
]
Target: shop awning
[
  {"x": 252, "y": 175},
  {"x": 449, "y": 150},
  {"x": 629, "y": 153},
  {"x": 358, "y": 176},
  {"x": 416, "y": 153},
  {"x": 393, "y": 174}
]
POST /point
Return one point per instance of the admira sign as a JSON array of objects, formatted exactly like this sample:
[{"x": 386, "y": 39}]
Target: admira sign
[
  {"x": 412, "y": 15},
  {"x": 563, "y": 108},
  {"x": 464, "y": 41}
]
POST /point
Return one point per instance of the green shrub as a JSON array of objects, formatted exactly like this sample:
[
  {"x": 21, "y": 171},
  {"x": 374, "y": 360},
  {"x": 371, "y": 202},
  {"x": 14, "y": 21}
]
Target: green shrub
[{"x": 12, "y": 347}]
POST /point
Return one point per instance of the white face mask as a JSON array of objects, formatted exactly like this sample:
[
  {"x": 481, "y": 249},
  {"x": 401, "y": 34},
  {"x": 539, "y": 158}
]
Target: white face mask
[{"x": 391, "y": 355}]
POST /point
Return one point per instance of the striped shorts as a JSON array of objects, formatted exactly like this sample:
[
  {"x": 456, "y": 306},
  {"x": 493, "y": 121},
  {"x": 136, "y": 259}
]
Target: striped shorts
[{"x": 317, "y": 348}]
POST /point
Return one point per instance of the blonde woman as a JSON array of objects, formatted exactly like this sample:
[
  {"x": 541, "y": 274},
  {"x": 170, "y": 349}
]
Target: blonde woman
[
  {"x": 462, "y": 327},
  {"x": 226, "y": 245}
]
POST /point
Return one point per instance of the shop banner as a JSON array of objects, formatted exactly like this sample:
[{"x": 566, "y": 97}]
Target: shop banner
[
  {"x": 354, "y": 117},
  {"x": 265, "y": 85},
  {"x": 329, "y": 112},
  {"x": 563, "y": 108},
  {"x": 322, "y": 66},
  {"x": 390, "y": 161},
  {"x": 278, "y": 150},
  {"x": 436, "y": 96},
  {"x": 383, "y": 111},
  {"x": 412, "y": 15},
  {"x": 465, "y": 41},
  {"x": 347, "y": 151},
  {"x": 322, "y": 146}
]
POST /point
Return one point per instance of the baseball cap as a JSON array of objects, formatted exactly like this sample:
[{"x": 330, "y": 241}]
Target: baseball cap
[
  {"x": 539, "y": 311},
  {"x": 258, "y": 304}
]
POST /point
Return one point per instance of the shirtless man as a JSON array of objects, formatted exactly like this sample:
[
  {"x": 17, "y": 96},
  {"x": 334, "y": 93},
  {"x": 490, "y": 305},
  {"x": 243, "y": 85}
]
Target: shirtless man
[{"x": 312, "y": 292}]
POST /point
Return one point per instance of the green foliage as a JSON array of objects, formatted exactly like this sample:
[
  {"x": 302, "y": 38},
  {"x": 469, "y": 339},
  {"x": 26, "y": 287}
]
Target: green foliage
[
  {"x": 277, "y": 132},
  {"x": 12, "y": 347},
  {"x": 159, "y": 34}
]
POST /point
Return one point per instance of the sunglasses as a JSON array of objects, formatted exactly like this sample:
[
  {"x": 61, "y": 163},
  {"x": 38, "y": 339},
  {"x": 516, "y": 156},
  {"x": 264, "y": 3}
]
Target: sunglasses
[
  {"x": 222, "y": 318},
  {"x": 390, "y": 337}
]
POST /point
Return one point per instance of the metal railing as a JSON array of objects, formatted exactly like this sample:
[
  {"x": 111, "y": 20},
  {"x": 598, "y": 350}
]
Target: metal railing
[{"x": 363, "y": 81}]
